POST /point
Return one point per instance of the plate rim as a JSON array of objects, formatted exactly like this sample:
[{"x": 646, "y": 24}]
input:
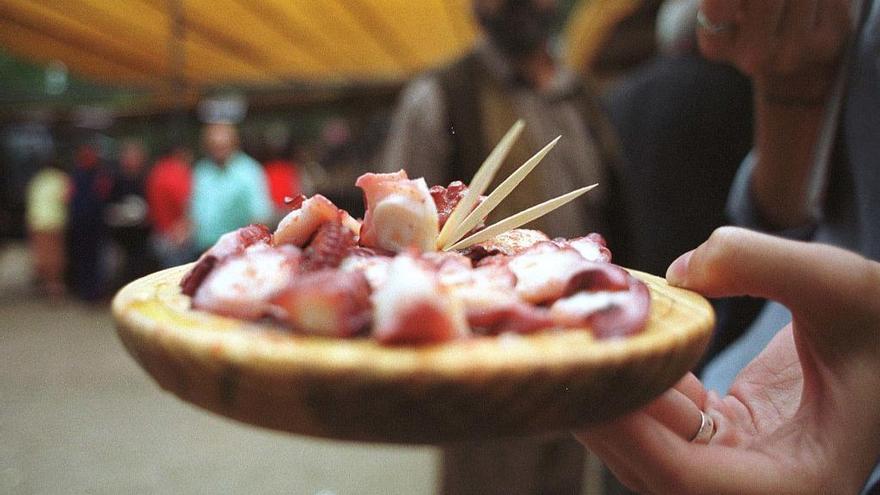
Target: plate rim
[
  {"x": 279, "y": 346},
  {"x": 271, "y": 365}
]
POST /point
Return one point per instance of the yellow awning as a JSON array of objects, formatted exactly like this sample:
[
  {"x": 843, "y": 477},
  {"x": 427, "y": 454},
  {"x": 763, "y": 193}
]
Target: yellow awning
[{"x": 204, "y": 43}]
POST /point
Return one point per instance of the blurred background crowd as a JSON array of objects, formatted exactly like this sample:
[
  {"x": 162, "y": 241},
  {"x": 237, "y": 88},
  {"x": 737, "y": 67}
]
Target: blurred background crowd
[
  {"x": 97, "y": 165},
  {"x": 101, "y": 207}
]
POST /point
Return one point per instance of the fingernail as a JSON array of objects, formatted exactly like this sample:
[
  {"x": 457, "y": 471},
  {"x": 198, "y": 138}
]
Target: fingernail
[{"x": 677, "y": 272}]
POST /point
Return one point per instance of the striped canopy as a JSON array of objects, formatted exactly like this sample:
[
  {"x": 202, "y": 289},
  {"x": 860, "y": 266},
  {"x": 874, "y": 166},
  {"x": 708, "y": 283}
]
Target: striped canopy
[{"x": 195, "y": 44}]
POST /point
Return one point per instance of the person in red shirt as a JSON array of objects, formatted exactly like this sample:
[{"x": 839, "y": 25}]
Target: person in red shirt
[
  {"x": 283, "y": 179},
  {"x": 168, "y": 191}
]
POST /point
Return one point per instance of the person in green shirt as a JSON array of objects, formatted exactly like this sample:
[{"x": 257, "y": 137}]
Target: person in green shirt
[{"x": 229, "y": 188}]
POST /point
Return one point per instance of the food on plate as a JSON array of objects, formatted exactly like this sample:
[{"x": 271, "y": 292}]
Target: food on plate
[
  {"x": 324, "y": 273},
  {"x": 417, "y": 324}
]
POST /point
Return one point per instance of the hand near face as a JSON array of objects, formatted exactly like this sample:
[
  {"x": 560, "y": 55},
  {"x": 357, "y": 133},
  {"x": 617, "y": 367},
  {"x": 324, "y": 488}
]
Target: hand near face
[
  {"x": 790, "y": 48},
  {"x": 803, "y": 416}
]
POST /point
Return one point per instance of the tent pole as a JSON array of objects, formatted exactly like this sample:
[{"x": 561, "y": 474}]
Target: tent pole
[{"x": 177, "y": 65}]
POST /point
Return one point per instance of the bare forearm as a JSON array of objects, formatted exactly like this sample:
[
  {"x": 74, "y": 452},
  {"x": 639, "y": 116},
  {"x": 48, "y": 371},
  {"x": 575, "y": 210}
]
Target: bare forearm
[
  {"x": 786, "y": 134},
  {"x": 417, "y": 141},
  {"x": 792, "y": 50}
]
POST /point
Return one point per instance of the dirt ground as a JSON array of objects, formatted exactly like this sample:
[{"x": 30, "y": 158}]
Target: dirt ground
[{"x": 78, "y": 416}]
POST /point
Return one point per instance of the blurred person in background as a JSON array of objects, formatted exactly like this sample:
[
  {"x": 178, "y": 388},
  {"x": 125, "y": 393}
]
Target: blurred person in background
[
  {"x": 87, "y": 234},
  {"x": 282, "y": 173},
  {"x": 127, "y": 213},
  {"x": 813, "y": 173},
  {"x": 794, "y": 399},
  {"x": 446, "y": 124},
  {"x": 228, "y": 188},
  {"x": 48, "y": 193},
  {"x": 685, "y": 124},
  {"x": 168, "y": 195}
]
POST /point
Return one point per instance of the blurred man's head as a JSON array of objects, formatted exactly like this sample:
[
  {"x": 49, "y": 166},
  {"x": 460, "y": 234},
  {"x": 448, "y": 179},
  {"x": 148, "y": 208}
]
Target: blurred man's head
[
  {"x": 132, "y": 157},
  {"x": 183, "y": 153},
  {"x": 220, "y": 142},
  {"x": 86, "y": 156},
  {"x": 517, "y": 27}
]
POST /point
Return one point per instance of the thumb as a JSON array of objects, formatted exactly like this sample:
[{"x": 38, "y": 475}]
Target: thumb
[{"x": 812, "y": 280}]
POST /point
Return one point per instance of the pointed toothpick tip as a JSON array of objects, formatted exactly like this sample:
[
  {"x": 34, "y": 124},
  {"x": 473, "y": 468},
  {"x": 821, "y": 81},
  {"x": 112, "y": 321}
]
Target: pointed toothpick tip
[
  {"x": 480, "y": 182},
  {"x": 497, "y": 196},
  {"x": 521, "y": 218}
]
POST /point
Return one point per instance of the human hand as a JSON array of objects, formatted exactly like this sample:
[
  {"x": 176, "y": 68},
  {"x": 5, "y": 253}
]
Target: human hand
[
  {"x": 803, "y": 416},
  {"x": 790, "y": 48}
]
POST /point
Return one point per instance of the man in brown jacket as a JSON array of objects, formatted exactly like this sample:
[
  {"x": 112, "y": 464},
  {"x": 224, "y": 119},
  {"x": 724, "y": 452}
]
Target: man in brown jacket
[{"x": 446, "y": 124}]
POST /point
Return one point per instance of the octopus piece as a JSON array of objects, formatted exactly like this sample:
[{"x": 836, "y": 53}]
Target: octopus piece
[
  {"x": 329, "y": 303},
  {"x": 608, "y": 313},
  {"x": 592, "y": 247},
  {"x": 374, "y": 268},
  {"x": 446, "y": 261},
  {"x": 412, "y": 307},
  {"x": 481, "y": 289},
  {"x": 544, "y": 271},
  {"x": 517, "y": 317},
  {"x": 446, "y": 199},
  {"x": 229, "y": 244},
  {"x": 329, "y": 246},
  {"x": 298, "y": 227},
  {"x": 400, "y": 213},
  {"x": 367, "y": 252},
  {"x": 597, "y": 276},
  {"x": 237, "y": 241},
  {"x": 509, "y": 243},
  {"x": 241, "y": 285},
  {"x": 490, "y": 301}
]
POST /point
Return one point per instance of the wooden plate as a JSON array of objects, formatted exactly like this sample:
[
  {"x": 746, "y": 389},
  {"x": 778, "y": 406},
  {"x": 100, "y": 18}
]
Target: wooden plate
[{"x": 359, "y": 390}]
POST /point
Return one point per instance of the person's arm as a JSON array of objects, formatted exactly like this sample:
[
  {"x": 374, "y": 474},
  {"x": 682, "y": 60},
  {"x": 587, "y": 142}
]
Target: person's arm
[
  {"x": 260, "y": 201},
  {"x": 802, "y": 417},
  {"x": 418, "y": 141},
  {"x": 792, "y": 50}
]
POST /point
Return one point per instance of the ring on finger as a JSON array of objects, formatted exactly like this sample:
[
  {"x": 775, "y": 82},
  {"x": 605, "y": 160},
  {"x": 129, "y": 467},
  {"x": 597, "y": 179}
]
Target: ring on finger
[
  {"x": 706, "y": 431},
  {"x": 707, "y": 25}
]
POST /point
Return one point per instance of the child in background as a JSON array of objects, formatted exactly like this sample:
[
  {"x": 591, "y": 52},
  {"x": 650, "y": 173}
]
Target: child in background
[{"x": 46, "y": 217}]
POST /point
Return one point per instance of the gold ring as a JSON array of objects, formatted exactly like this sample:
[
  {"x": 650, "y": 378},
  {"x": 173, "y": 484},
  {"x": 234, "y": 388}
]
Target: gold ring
[{"x": 706, "y": 431}]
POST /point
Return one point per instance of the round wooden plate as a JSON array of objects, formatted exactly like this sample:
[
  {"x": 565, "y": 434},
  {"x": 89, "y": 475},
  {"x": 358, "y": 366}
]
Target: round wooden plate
[{"x": 359, "y": 390}]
